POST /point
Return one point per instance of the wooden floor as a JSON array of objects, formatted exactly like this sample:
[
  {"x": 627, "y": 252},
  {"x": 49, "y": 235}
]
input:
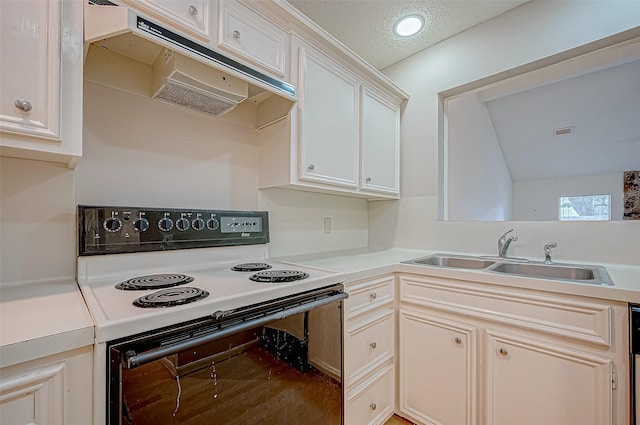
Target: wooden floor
[
  {"x": 249, "y": 389},
  {"x": 397, "y": 420}
]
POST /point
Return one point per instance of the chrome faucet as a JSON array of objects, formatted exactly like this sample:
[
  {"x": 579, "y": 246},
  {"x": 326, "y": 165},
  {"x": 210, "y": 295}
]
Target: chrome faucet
[
  {"x": 504, "y": 242},
  {"x": 547, "y": 251}
]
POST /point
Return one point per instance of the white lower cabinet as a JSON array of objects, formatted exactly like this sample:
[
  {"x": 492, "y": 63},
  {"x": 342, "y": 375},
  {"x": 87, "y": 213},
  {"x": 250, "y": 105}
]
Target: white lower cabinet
[
  {"x": 471, "y": 353},
  {"x": 438, "y": 369},
  {"x": 54, "y": 390},
  {"x": 531, "y": 382},
  {"x": 369, "y": 347}
]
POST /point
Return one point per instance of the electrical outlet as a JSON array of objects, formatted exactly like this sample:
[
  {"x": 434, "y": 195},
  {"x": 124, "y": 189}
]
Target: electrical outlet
[{"x": 327, "y": 225}]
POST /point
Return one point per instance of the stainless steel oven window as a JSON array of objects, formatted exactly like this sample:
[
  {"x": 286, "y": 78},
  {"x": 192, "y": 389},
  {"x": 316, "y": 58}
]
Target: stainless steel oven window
[{"x": 287, "y": 370}]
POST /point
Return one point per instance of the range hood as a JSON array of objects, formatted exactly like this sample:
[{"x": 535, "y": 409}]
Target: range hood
[{"x": 129, "y": 52}]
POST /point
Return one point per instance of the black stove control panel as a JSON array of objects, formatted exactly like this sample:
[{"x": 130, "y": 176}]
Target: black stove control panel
[{"x": 117, "y": 230}]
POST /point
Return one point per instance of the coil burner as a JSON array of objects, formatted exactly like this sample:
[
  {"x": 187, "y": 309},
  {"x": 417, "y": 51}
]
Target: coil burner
[
  {"x": 275, "y": 276},
  {"x": 250, "y": 267},
  {"x": 171, "y": 297},
  {"x": 154, "y": 281}
]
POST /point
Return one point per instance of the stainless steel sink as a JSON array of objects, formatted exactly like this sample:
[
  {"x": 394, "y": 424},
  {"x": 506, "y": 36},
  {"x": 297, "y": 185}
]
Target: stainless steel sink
[
  {"x": 596, "y": 275},
  {"x": 569, "y": 272},
  {"x": 452, "y": 261}
]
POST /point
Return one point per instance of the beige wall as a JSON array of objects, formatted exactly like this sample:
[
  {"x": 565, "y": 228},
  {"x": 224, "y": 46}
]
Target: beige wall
[
  {"x": 529, "y": 33},
  {"x": 297, "y": 221},
  {"x": 37, "y": 221},
  {"x": 141, "y": 152}
]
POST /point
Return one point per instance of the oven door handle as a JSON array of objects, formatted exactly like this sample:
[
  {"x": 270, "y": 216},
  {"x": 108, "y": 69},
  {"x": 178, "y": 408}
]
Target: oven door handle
[{"x": 132, "y": 359}]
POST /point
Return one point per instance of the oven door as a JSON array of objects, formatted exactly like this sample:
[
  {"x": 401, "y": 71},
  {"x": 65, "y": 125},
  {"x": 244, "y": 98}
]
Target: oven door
[{"x": 278, "y": 364}]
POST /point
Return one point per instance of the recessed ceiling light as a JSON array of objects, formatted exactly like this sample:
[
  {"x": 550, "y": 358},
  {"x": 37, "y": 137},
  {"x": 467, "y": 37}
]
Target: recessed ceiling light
[{"x": 409, "y": 25}]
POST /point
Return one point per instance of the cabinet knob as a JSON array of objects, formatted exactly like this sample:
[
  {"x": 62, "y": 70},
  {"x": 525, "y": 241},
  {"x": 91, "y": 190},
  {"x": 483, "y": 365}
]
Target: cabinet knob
[
  {"x": 311, "y": 167},
  {"x": 193, "y": 11},
  {"x": 373, "y": 296},
  {"x": 23, "y": 105},
  {"x": 236, "y": 34},
  {"x": 368, "y": 179},
  {"x": 373, "y": 406},
  {"x": 373, "y": 345},
  {"x": 458, "y": 340},
  {"x": 503, "y": 352}
]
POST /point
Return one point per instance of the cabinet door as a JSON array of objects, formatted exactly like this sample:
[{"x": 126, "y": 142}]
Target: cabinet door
[
  {"x": 532, "y": 383},
  {"x": 437, "y": 369},
  {"x": 192, "y": 17},
  {"x": 245, "y": 33},
  {"x": 328, "y": 121},
  {"x": 380, "y": 143},
  {"x": 35, "y": 394},
  {"x": 53, "y": 390},
  {"x": 30, "y": 67},
  {"x": 41, "y": 79}
]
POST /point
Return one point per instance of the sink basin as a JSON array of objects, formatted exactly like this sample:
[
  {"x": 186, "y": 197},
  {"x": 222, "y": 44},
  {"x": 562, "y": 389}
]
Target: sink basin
[
  {"x": 577, "y": 273},
  {"x": 453, "y": 261},
  {"x": 596, "y": 275}
]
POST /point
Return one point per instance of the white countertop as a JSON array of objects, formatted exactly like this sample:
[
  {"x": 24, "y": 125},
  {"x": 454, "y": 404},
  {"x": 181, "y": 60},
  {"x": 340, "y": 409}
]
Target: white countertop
[
  {"x": 364, "y": 264},
  {"x": 41, "y": 319},
  {"x": 45, "y": 318}
]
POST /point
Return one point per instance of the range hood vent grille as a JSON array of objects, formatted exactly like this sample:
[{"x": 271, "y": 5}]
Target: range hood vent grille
[
  {"x": 185, "y": 82},
  {"x": 183, "y": 95}
]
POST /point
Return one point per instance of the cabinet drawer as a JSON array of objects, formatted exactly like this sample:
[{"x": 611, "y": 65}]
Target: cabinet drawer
[
  {"x": 368, "y": 343},
  {"x": 580, "y": 320},
  {"x": 244, "y": 32},
  {"x": 369, "y": 295},
  {"x": 191, "y": 17},
  {"x": 371, "y": 402}
]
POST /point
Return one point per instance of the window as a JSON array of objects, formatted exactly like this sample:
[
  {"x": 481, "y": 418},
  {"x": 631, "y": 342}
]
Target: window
[{"x": 588, "y": 207}]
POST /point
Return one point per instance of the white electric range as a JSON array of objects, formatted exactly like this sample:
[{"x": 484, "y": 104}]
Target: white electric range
[
  {"x": 181, "y": 290},
  {"x": 177, "y": 268}
]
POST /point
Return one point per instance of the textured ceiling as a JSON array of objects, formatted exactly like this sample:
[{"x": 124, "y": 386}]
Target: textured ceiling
[{"x": 366, "y": 26}]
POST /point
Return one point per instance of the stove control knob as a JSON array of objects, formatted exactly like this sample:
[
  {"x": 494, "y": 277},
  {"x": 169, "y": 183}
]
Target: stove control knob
[
  {"x": 112, "y": 224},
  {"x": 141, "y": 224},
  {"x": 165, "y": 224},
  {"x": 197, "y": 223},
  {"x": 182, "y": 223},
  {"x": 212, "y": 223}
]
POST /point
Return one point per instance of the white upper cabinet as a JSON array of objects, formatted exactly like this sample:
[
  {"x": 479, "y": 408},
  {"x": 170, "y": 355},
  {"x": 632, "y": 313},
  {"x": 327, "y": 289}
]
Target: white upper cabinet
[
  {"x": 193, "y": 17},
  {"x": 243, "y": 32},
  {"x": 328, "y": 111},
  {"x": 41, "y": 80},
  {"x": 344, "y": 131},
  {"x": 380, "y": 136}
]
